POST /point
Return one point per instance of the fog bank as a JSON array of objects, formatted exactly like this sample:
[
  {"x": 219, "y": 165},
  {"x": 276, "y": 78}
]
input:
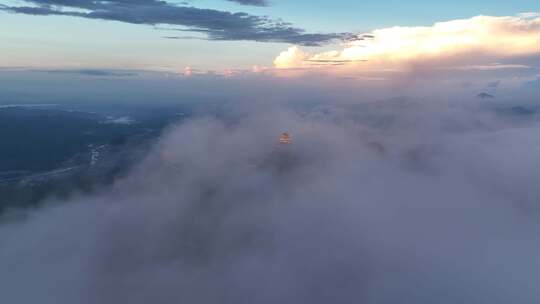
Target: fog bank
[{"x": 390, "y": 202}]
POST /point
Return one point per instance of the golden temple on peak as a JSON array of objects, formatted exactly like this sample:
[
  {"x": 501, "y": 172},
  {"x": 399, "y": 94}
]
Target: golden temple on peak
[{"x": 285, "y": 139}]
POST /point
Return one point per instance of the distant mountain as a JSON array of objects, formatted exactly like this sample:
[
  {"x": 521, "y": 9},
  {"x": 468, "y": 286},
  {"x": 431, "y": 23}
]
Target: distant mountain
[{"x": 484, "y": 95}]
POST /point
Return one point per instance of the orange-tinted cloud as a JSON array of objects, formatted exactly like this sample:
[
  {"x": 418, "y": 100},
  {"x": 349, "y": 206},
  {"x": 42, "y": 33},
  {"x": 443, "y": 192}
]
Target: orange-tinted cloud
[{"x": 188, "y": 71}]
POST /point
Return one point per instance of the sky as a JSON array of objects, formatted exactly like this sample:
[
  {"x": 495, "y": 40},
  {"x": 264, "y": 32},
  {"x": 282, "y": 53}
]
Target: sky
[{"x": 121, "y": 41}]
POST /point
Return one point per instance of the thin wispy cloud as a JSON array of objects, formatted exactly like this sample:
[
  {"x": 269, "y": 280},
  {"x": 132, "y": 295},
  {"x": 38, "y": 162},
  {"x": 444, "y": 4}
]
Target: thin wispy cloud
[
  {"x": 91, "y": 72},
  {"x": 251, "y": 2}
]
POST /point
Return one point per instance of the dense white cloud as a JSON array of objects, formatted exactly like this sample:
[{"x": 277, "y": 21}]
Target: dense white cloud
[
  {"x": 387, "y": 202},
  {"x": 291, "y": 58},
  {"x": 479, "y": 40}
]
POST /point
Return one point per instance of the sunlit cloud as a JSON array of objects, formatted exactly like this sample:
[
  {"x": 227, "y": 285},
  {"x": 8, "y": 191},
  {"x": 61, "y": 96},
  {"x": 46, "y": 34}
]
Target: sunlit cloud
[
  {"x": 188, "y": 71},
  {"x": 256, "y": 69},
  {"x": 493, "y": 67},
  {"x": 479, "y": 42},
  {"x": 228, "y": 73}
]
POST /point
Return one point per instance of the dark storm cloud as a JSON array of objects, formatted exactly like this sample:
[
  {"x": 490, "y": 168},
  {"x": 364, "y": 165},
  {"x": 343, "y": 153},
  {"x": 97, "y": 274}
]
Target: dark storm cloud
[{"x": 217, "y": 25}]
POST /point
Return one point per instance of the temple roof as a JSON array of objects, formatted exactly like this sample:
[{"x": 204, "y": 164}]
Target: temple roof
[{"x": 285, "y": 139}]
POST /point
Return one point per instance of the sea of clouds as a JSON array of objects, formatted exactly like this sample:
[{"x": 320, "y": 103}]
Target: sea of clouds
[{"x": 399, "y": 201}]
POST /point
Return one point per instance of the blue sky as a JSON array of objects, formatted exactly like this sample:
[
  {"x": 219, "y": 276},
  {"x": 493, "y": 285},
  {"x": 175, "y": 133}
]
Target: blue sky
[
  {"x": 65, "y": 41},
  {"x": 351, "y": 15}
]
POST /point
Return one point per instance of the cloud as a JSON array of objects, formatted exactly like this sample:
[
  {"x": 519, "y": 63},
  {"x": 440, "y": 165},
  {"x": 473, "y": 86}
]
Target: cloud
[
  {"x": 478, "y": 41},
  {"x": 123, "y": 120},
  {"x": 291, "y": 58},
  {"x": 44, "y": 105},
  {"x": 394, "y": 201},
  {"x": 215, "y": 24},
  {"x": 251, "y": 2},
  {"x": 485, "y": 95},
  {"x": 492, "y": 67},
  {"x": 92, "y": 72},
  {"x": 188, "y": 71},
  {"x": 494, "y": 84}
]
